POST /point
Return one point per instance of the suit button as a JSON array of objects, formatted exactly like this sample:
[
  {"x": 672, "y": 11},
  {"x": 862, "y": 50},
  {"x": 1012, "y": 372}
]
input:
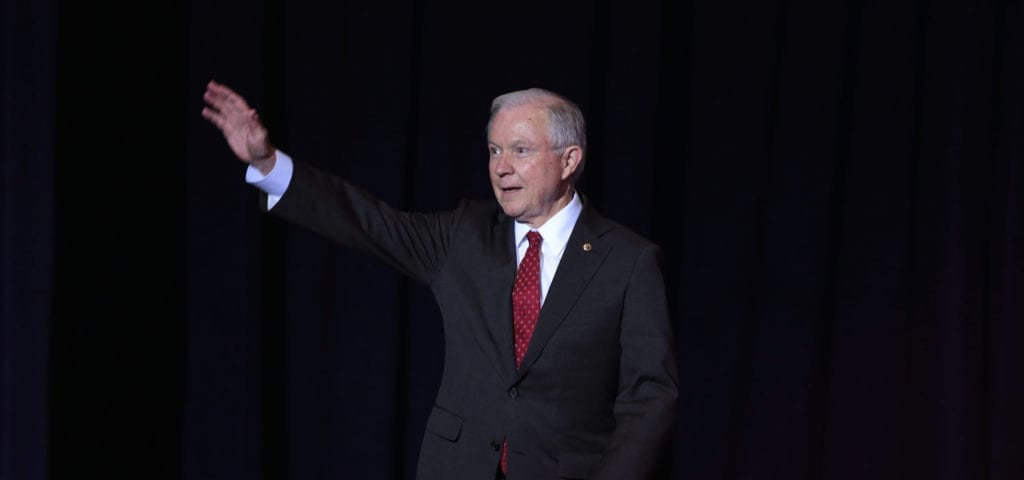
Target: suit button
[
  {"x": 513, "y": 392},
  {"x": 495, "y": 446}
]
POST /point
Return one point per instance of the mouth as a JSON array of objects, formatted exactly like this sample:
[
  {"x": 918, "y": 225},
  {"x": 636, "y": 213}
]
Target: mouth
[{"x": 511, "y": 189}]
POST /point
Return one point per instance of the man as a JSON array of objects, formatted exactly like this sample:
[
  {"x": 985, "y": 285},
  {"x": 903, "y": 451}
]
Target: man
[{"x": 559, "y": 355}]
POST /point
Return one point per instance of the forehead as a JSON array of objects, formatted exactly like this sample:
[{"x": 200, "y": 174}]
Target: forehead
[{"x": 521, "y": 122}]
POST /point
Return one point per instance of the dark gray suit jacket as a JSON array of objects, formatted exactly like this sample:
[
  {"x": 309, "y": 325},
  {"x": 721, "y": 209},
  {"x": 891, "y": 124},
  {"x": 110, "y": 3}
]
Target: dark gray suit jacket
[{"x": 596, "y": 393}]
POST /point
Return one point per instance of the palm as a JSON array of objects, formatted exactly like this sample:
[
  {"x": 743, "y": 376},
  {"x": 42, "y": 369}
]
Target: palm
[{"x": 247, "y": 137}]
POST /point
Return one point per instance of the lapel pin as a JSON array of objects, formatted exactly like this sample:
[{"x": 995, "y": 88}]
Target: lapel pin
[{"x": 587, "y": 247}]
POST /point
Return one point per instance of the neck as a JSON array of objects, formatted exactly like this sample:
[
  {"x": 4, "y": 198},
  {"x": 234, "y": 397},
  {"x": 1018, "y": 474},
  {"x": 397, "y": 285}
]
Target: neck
[{"x": 556, "y": 207}]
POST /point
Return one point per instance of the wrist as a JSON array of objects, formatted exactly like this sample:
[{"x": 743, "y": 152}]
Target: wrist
[{"x": 266, "y": 164}]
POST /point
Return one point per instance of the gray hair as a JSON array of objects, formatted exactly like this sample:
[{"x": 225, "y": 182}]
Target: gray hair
[{"x": 566, "y": 123}]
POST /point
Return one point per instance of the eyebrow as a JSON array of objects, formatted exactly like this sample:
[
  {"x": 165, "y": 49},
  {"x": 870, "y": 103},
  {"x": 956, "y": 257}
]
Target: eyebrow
[{"x": 517, "y": 141}]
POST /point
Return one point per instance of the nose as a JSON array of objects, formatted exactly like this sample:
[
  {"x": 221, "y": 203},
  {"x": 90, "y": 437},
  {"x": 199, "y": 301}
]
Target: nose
[{"x": 501, "y": 165}]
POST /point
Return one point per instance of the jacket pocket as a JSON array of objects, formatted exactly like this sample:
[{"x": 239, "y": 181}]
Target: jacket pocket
[
  {"x": 444, "y": 424},
  {"x": 577, "y": 464}
]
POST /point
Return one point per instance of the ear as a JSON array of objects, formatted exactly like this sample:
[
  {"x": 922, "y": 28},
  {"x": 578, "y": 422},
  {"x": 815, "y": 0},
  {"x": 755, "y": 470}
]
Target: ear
[{"x": 572, "y": 160}]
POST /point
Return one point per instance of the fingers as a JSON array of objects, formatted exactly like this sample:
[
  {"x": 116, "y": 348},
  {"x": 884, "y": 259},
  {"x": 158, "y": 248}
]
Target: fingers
[
  {"x": 223, "y": 99},
  {"x": 227, "y": 109},
  {"x": 215, "y": 117},
  {"x": 220, "y": 87}
]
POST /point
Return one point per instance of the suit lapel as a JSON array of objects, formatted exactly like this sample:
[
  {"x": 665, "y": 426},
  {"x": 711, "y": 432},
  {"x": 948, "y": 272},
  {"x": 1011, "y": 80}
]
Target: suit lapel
[
  {"x": 497, "y": 288},
  {"x": 577, "y": 267}
]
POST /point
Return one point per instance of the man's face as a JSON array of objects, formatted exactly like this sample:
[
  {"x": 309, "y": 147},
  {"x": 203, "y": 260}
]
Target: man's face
[{"x": 530, "y": 178}]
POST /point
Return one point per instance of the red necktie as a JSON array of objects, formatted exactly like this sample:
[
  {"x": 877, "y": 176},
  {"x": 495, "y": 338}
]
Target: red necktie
[
  {"x": 525, "y": 308},
  {"x": 526, "y": 296}
]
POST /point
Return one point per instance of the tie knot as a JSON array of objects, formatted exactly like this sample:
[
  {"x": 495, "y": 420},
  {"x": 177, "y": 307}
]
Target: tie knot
[{"x": 534, "y": 238}]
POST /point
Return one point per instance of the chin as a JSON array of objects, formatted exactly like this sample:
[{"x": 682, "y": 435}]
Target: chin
[
  {"x": 514, "y": 211},
  {"x": 511, "y": 213}
]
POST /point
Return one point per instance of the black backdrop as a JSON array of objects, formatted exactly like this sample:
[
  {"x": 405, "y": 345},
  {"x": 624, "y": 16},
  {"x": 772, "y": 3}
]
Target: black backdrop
[{"x": 838, "y": 186}]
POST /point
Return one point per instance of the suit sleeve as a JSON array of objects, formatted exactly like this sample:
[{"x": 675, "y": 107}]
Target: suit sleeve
[
  {"x": 645, "y": 407},
  {"x": 414, "y": 243}
]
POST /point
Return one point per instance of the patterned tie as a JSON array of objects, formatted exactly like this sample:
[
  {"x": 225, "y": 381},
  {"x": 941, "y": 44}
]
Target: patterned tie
[
  {"x": 526, "y": 296},
  {"x": 525, "y": 308}
]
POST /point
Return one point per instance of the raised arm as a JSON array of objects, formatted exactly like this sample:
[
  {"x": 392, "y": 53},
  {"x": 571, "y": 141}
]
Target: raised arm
[{"x": 241, "y": 126}]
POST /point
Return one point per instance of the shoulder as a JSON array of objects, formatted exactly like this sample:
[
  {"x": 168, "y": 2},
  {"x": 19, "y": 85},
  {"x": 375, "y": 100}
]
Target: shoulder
[
  {"x": 480, "y": 212},
  {"x": 480, "y": 206},
  {"x": 480, "y": 220}
]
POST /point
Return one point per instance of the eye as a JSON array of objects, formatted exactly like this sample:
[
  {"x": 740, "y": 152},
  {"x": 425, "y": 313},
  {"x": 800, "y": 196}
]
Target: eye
[
  {"x": 521, "y": 151},
  {"x": 494, "y": 151}
]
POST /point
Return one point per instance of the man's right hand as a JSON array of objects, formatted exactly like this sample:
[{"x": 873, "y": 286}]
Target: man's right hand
[{"x": 240, "y": 125}]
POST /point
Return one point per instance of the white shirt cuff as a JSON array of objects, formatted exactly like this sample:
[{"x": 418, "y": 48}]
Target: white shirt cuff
[{"x": 275, "y": 183}]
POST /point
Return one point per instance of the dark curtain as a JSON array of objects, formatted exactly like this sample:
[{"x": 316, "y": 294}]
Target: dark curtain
[
  {"x": 27, "y": 64},
  {"x": 838, "y": 186}
]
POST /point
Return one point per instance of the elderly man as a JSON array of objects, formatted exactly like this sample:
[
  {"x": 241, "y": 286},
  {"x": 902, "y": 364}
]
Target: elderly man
[{"x": 559, "y": 355}]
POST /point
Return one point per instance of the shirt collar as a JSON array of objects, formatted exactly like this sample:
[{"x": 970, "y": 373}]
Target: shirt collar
[{"x": 557, "y": 229}]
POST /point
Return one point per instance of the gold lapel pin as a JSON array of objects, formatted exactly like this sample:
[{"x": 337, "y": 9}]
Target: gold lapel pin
[{"x": 587, "y": 247}]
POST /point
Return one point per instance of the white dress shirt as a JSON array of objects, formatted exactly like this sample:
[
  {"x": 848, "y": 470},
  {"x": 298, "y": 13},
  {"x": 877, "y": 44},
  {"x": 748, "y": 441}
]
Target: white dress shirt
[
  {"x": 274, "y": 183},
  {"x": 555, "y": 232}
]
